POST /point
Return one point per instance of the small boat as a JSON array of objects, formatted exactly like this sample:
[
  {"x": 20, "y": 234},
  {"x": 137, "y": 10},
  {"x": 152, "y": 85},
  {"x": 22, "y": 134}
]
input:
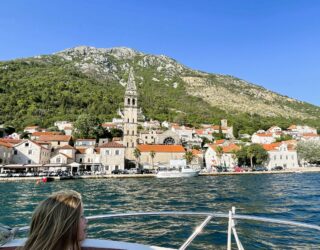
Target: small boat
[
  {"x": 8, "y": 241},
  {"x": 184, "y": 171}
]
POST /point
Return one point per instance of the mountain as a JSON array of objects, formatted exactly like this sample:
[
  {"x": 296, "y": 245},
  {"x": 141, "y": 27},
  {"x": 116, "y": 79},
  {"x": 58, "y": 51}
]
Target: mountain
[{"x": 42, "y": 89}]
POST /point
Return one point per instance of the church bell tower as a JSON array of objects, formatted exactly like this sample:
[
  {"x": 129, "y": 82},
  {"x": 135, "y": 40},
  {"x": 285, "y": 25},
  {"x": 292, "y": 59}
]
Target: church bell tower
[{"x": 130, "y": 117}]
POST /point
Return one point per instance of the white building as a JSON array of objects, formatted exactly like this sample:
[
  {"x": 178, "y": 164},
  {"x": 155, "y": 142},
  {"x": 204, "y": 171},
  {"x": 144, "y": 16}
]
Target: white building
[
  {"x": 85, "y": 143},
  {"x": 226, "y": 158},
  {"x": 112, "y": 157},
  {"x": 63, "y": 124},
  {"x": 30, "y": 152},
  {"x": 263, "y": 138},
  {"x": 281, "y": 154}
]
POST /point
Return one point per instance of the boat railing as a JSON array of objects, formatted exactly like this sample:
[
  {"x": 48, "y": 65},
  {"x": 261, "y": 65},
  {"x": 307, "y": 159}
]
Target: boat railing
[{"x": 231, "y": 216}]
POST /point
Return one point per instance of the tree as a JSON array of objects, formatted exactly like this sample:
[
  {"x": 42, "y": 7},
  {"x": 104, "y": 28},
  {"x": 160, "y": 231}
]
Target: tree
[
  {"x": 284, "y": 138},
  {"x": 25, "y": 135},
  {"x": 152, "y": 155},
  {"x": 257, "y": 154},
  {"x": 189, "y": 156},
  {"x": 309, "y": 151},
  {"x": 251, "y": 155},
  {"x": 88, "y": 126},
  {"x": 137, "y": 154}
]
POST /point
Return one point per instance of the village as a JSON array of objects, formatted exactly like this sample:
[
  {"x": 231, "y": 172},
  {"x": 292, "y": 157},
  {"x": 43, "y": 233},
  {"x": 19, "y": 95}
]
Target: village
[{"x": 145, "y": 146}]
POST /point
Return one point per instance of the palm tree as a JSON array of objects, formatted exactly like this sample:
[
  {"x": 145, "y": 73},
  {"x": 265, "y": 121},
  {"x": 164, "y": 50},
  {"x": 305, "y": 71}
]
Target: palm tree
[
  {"x": 137, "y": 154},
  {"x": 189, "y": 156},
  {"x": 152, "y": 155}
]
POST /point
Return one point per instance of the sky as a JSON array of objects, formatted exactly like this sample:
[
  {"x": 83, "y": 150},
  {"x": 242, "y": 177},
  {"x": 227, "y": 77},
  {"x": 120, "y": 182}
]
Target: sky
[{"x": 271, "y": 43}]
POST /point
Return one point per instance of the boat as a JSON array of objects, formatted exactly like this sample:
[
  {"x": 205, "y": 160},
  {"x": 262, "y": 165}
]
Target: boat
[
  {"x": 184, "y": 171},
  {"x": 8, "y": 241}
]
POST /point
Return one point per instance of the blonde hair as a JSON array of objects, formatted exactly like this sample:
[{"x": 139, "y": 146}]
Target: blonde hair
[{"x": 55, "y": 223}]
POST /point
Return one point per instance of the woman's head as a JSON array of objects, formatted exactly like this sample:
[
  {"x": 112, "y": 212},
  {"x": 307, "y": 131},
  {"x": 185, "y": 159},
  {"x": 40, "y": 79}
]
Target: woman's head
[{"x": 58, "y": 223}]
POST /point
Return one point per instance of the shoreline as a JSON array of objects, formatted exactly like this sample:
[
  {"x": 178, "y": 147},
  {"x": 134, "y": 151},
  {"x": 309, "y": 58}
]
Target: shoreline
[{"x": 121, "y": 176}]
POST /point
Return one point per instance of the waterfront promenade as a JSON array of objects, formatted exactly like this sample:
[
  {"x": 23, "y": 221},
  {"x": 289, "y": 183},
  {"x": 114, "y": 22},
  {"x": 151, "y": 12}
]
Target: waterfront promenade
[{"x": 109, "y": 176}]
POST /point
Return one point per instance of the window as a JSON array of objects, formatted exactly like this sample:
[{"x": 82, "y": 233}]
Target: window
[
  {"x": 128, "y": 101},
  {"x": 133, "y": 101},
  {"x": 275, "y": 157},
  {"x": 127, "y": 144},
  {"x": 132, "y": 132},
  {"x": 30, "y": 152},
  {"x": 280, "y": 157},
  {"x": 58, "y": 160},
  {"x": 107, "y": 168},
  {"x": 29, "y": 162},
  {"x": 116, "y": 167},
  {"x": 117, "y": 152},
  {"x": 26, "y": 144},
  {"x": 128, "y": 132},
  {"x": 286, "y": 157},
  {"x": 15, "y": 152},
  {"x": 107, "y": 152},
  {"x": 133, "y": 144},
  {"x": 58, "y": 142}
]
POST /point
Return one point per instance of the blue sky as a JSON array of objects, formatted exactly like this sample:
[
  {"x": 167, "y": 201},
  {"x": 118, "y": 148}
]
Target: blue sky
[{"x": 272, "y": 43}]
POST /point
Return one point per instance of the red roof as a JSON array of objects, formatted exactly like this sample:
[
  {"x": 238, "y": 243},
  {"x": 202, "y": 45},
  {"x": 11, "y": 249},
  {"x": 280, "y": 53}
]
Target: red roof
[
  {"x": 264, "y": 134},
  {"x": 220, "y": 141},
  {"x": 46, "y": 133},
  {"x": 226, "y": 149},
  {"x": 161, "y": 148},
  {"x": 67, "y": 147},
  {"x": 111, "y": 145},
  {"x": 65, "y": 138},
  {"x": 11, "y": 141},
  {"x": 5, "y": 144}
]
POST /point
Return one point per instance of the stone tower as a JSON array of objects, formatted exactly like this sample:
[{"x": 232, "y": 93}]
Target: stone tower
[{"x": 130, "y": 117}]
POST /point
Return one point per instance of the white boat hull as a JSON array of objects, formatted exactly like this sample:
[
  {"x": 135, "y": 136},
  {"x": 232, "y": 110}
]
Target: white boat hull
[{"x": 176, "y": 174}]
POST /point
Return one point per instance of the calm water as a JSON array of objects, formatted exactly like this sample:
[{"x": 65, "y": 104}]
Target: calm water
[{"x": 284, "y": 196}]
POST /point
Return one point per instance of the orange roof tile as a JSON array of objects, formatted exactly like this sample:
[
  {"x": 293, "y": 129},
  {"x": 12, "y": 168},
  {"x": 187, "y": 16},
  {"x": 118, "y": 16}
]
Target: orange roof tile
[
  {"x": 5, "y": 144},
  {"x": 161, "y": 148},
  {"x": 264, "y": 135},
  {"x": 272, "y": 146},
  {"x": 81, "y": 150},
  {"x": 220, "y": 141},
  {"x": 66, "y": 147},
  {"x": 111, "y": 145},
  {"x": 65, "y": 138},
  {"x": 310, "y": 135},
  {"x": 46, "y": 133},
  {"x": 226, "y": 149},
  {"x": 11, "y": 141}
]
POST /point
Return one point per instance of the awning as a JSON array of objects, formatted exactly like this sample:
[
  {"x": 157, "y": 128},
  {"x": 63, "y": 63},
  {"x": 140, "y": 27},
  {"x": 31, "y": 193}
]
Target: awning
[
  {"x": 14, "y": 166},
  {"x": 74, "y": 164},
  {"x": 54, "y": 165}
]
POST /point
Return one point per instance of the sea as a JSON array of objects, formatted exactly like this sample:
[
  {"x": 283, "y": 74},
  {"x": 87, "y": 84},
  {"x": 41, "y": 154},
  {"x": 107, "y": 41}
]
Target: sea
[{"x": 294, "y": 196}]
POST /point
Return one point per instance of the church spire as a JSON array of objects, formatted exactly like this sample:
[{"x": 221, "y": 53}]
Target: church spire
[{"x": 131, "y": 85}]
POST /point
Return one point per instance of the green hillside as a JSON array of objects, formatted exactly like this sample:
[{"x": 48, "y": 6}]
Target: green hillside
[{"x": 39, "y": 91}]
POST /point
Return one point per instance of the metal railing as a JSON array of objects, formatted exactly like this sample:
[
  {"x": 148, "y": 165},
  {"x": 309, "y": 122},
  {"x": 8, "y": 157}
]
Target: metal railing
[{"x": 231, "y": 216}]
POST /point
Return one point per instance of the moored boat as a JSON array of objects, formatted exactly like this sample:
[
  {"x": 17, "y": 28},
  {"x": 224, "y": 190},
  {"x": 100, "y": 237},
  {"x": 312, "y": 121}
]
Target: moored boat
[{"x": 184, "y": 171}]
